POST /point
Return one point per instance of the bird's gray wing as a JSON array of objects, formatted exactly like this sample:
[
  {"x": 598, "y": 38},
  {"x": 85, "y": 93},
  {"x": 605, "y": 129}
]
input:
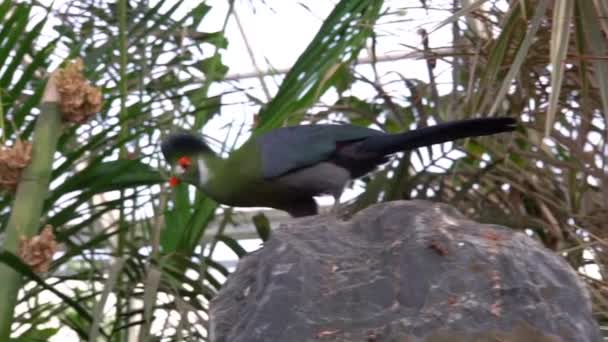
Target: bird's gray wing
[{"x": 291, "y": 148}]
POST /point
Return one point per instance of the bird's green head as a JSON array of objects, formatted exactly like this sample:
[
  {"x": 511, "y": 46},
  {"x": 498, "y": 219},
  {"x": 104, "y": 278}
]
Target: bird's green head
[{"x": 189, "y": 156}]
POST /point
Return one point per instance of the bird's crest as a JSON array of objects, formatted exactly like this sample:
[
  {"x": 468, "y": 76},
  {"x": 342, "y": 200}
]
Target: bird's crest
[{"x": 179, "y": 145}]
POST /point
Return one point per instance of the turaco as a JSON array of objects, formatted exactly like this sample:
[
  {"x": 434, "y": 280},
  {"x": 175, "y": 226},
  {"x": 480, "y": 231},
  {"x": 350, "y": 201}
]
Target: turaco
[{"x": 285, "y": 167}]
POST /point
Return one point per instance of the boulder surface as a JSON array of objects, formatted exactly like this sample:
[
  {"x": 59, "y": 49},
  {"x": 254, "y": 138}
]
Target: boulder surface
[{"x": 402, "y": 271}]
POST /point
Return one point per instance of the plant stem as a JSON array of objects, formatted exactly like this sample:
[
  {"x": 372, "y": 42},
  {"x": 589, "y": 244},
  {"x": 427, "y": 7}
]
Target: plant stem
[
  {"x": 122, "y": 304},
  {"x": 3, "y": 131},
  {"x": 27, "y": 207}
]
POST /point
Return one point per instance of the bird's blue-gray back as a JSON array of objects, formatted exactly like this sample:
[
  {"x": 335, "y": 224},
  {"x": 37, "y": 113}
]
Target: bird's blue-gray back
[{"x": 291, "y": 148}]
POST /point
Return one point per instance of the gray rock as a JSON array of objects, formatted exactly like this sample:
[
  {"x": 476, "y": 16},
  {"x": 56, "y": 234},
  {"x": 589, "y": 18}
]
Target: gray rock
[{"x": 402, "y": 271}]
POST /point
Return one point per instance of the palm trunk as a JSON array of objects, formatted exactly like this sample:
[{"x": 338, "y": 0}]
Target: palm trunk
[{"x": 29, "y": 199}]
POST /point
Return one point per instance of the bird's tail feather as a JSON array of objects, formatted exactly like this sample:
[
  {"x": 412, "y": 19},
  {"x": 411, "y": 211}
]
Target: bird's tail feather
[{"x": 387, "y": 144}]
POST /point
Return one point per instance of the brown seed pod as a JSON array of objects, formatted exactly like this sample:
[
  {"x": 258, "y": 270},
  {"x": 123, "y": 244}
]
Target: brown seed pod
[
  {"x": 79, "y": 100},
  {"x": 13, "y": 159},
  {"x": 38, "y": 251}
]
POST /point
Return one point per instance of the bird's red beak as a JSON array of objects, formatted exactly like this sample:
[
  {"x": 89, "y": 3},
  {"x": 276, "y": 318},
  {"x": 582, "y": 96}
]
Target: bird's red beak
[
  {"x": 174, "y": 181},
  {"x": 184, "y": 162}
]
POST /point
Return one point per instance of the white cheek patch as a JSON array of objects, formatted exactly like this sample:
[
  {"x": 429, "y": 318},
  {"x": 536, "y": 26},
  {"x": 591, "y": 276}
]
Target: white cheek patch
[
  {"x": 203, "y": 172},
  {"x": 180, "y": 170}
]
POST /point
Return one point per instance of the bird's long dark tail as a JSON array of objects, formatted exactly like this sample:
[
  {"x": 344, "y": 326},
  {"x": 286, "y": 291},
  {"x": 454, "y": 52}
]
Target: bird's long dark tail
[{"x": 387, "y": 144}]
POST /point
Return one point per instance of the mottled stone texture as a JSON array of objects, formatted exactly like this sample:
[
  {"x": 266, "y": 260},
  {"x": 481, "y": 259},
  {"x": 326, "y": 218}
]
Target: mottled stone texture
[{"x": 402, "y": 271}]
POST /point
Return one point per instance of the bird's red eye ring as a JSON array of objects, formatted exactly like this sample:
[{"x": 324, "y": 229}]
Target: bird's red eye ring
[
  {"x": 184, "y": 162},
  {"x": 174, "y": 181}
]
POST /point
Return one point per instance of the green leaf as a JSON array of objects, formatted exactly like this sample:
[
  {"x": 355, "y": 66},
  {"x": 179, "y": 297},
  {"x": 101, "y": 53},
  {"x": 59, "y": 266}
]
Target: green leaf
[
  {"x": 112, "y": 175},
  {"x": 25, "y": 45},
  {"x": 262, "y": 226},
  {"x": 16, "y": 264},
  {"x": 598, "y": 46},
  {"x": 13, "y": 29},
  {"x": 4, "y": 8},
  {"x": 520, "y": 57},
  {"x": 360, "y": 107},
  {"x": 213, "y": 67},
  {"x": 343, "y": 78},
  {"x": 337, "y": 42},
  {"x": 176, "y": 220},
  {"x": 216, "y": 265},
  {"x": 233, "y": 245},
  {"x": 215, "y": 38},
  {"x": 199, "y": 12},
  {"x": 36, "y": 335},
  {"x": 500, "y": 54},
  {"x": 26, "y": 108},
  {"x": 560, "y": 37},
  {"x": 40, "y": 61},
  {"x": 204, "y": 107},
  {"x": 204, "y": 211},
  {"x": 143, "y": 30},
  {"x": 148, "y": 16},
  {"x": 474, "y": 148}
]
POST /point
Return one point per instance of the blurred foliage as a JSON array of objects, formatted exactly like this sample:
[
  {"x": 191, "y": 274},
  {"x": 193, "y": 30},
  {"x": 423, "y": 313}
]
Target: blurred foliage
[{"x": 543, "y": 62}]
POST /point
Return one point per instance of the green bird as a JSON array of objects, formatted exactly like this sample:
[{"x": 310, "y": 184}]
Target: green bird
[{"x": 286, "y": 167}]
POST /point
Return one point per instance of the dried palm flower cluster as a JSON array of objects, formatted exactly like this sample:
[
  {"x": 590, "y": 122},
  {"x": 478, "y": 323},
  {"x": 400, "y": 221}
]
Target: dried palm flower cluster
[
  {"x": 13, "y": 160},
  {"x": 79, "y": 100},
  {"x": 37, "y": 251}
]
